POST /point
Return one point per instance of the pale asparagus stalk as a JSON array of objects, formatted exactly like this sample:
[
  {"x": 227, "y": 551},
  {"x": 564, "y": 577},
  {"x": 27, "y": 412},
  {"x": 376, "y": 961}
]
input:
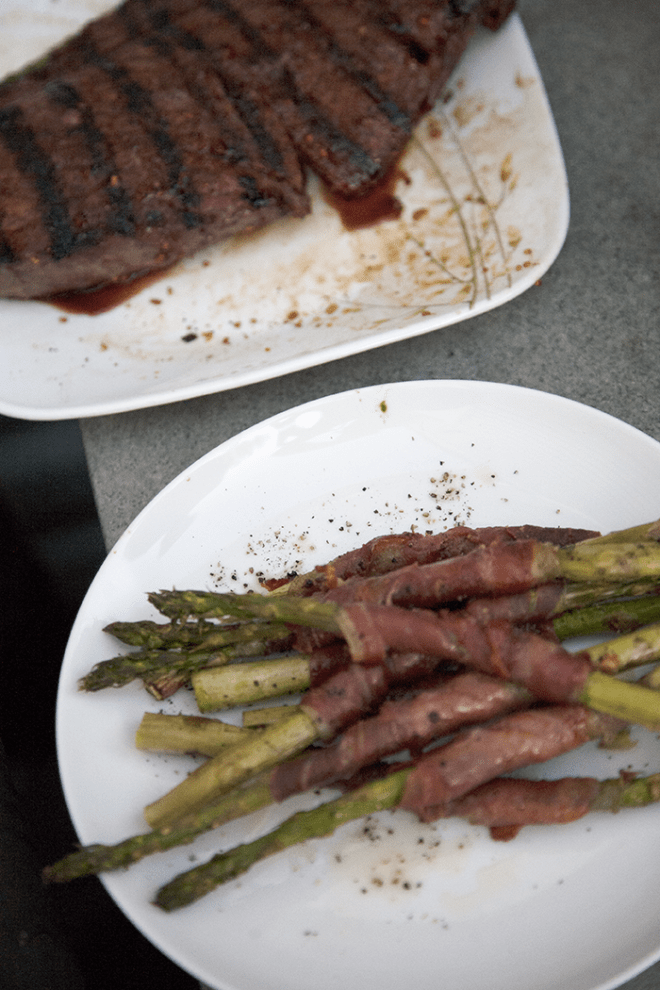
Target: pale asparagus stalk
[
  {"x": 194, "y": 734},
  {"x": 218, "y": 688}
]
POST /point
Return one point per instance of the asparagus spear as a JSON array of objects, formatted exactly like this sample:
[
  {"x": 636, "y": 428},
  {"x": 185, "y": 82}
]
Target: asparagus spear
[
  {"x": 244, "y": 683},
  {"x": 602, "y": 615},
  {"x": 608, "y": 795},
  {"x": 221, "y": 605},
  {"x": 632, "y": 534},
  {"x": 200, "y": 634},
  {"x": 259, "y": 717},
  {"x": 193, "y": 734},
  {"x": 99, "y": 858},
  {"x": 322, "y": 821},
  {"x": 223, "y": 772},
  {"x": 633, "y": 649},
  {"x": 148, "y": 665}
]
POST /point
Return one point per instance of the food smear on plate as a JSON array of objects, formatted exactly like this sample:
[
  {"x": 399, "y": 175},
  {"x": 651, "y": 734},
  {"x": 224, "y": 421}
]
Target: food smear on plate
[
  {"x": 418, "y": 672},
  {"x": 163, "y": 128}
]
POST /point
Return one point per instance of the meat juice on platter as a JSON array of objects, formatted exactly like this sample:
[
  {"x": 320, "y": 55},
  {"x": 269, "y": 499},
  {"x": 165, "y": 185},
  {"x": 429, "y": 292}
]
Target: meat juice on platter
[
  {"x": 190, "y": 123},
  {"x": 356, "y": 213}
]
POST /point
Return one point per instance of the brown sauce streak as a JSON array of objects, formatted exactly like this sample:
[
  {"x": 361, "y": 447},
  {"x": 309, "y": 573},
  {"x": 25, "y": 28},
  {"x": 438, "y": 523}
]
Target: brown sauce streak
[
  {"x": 108, "y": 297},
  {"x": 366, "y": 211}
]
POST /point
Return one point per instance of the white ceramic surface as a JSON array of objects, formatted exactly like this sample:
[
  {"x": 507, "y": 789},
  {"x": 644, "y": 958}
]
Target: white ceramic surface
[
  {"x": 569, "y": 906},
  {"x": 485, "y": 213}
]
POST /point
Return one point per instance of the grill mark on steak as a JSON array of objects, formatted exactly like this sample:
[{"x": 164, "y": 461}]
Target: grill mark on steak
[
  {"x": 21, "y": 141},
  {"x": 308, "y": 122},
  {"x": 7, "y": 256},
  {"x": 346, "y": 61},
  {"x": 166, "y": 49},
  {"x": 139, "y": 103},
  {"x": 207, "y": 122},
  {"x": 168, "y": 38},
  {"x": 122, "y": 218},
  {"x": 323, "y": 129},
  {"x": 195, "y": 28}
]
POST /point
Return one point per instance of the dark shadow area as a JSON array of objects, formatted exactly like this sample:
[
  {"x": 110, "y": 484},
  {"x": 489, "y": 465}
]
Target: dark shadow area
[{"x": 50, "y": 549}]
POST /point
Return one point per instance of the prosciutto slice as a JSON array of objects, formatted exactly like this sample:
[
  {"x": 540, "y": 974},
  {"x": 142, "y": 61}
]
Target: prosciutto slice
[
  {"x": 506, "y": 804},
  {"x": 482, "y": 753},
  {"x": 410, "y": 723}
]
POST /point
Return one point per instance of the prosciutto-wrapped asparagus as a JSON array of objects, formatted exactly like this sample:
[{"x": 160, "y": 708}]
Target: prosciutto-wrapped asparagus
[{"x": 521, "y": 698}]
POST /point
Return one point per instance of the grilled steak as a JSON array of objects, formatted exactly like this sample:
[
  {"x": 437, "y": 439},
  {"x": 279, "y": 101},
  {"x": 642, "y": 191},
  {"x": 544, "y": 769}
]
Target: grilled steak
[
  {"x": 121, "y": 167},
  {"x": 168, "y": 125}
]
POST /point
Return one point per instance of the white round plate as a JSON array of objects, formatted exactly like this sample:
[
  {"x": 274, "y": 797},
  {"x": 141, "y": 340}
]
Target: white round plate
[{"x": 398, "y": 904}]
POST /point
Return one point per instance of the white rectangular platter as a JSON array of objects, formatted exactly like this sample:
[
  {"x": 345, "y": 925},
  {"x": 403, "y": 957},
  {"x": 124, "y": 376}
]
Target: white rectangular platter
[{"x": 485, "y": 213}]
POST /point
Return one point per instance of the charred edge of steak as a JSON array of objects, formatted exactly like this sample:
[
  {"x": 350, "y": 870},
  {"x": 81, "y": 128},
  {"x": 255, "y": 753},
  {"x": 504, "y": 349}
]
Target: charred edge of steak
[
  {"x": 31, "y": 160},
  {"x": 140, "y": 104},
  {"x": 401, "y": 33},
  {"x": 122, "y": 218}
]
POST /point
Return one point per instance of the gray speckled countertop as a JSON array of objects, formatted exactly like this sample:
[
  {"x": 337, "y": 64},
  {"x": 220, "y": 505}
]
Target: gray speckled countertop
[{"x": 590, "y": 331}]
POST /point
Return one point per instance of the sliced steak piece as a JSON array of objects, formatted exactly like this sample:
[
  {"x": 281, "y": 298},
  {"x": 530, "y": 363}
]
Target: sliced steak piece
[
  {"x": 349, "y": 136},
  {"x": 114, "y": 168}
]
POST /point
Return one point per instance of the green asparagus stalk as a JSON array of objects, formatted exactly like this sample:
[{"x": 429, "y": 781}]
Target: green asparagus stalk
[
  {"x": 318, "y": 823},
  {"x": 612, "y": 795},
  {"x": 631, "y": 650},
  {"x": 194, "y": 734},
  {"x": 594, "y": 562},
  {"x": 99, "y": 858},
  {"x": 219, "y": 605},
  {"x": 230, "y": 768},
  {"x": 147, "y": 664},
  {"x": 218, "y": 688},
  {"x": 255, "y": 718},
  {"x": 200, "y": 634},
  {"x": 633, "y": 534},
  {"x": 584, "y": 610},
  {"x": 634, "y": 703},
  {"x": 154, "y": 665}
]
